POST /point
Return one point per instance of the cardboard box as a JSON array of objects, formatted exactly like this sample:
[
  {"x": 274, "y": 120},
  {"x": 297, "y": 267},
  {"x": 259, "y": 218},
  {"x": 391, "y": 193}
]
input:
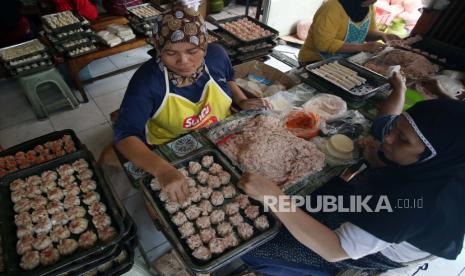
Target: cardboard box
[{"x": 263, "y": 70}]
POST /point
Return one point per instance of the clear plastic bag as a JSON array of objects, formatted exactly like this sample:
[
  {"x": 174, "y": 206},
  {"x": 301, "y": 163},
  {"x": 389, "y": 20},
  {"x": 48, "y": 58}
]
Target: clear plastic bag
[{"x": 352, "y": 124}]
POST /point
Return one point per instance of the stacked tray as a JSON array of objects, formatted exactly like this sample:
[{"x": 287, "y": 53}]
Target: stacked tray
[
  {"x": 69, "y": 33},
  {"x": 142, "y": 18},
  {"x": 208, "y": 238},
  {"x": 347, "y": 79},
  {"x": 25, "y": 58},
  {"x": 246, "y": 38},
  {"x": 111, "y": 254}
]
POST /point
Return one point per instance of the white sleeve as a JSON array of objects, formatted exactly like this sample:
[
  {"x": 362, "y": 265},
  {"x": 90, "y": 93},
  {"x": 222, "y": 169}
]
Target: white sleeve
[{"x": 357, "y": 242}]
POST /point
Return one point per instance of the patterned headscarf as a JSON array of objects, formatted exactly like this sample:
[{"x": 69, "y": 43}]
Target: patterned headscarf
[{"x": 180, "y": 24}]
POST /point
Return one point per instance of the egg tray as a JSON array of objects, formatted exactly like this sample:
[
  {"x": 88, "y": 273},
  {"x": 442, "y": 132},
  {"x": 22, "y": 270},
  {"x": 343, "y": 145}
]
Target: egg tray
[
  {"x": 12, "y": 259},
  {"x": 375, "y": 83},
  {"x": 95, "y": 49},
  {"x": 274, "y": 32},
  {"x": 171, "y": 230}
]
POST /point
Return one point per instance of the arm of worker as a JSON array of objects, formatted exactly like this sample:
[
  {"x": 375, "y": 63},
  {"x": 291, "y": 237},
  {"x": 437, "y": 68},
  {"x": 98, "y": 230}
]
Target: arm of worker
[
  {"x": 245, "y": 103},
  {"x": 129, "y": 134},
  {"x": 171, "y": 180},
  {"x": 307, "y": 230},
  {"x": 395, "y": 102}
]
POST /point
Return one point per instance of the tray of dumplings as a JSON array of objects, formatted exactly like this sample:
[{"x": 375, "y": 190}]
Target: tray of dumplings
[
  {"x": 348, "y": 79},
  {"x": 56, "y": 214},
  {"x": 63, "y": 21},
  {"x": 143, "y": 12},
  {"x": 218, "y": 222}
]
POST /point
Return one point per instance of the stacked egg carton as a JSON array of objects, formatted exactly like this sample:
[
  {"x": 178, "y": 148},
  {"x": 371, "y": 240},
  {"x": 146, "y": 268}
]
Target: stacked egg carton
[
  {"x": 69, "y": 33},
  {"x": 25, "y": 58},
  {"x": 142, "y": 18}
]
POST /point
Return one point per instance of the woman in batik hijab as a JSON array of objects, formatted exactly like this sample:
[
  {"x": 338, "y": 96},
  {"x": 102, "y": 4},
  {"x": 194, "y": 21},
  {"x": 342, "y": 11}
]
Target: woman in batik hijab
[{"x": 189, "y": 85}]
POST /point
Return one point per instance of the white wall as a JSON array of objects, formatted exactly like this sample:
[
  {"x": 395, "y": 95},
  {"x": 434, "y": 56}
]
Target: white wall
[{"x": 283, "y": 15}]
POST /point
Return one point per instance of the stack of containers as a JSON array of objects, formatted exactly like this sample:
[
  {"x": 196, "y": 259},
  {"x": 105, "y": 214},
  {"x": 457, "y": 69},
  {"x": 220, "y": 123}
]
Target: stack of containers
[
  {"x": 69, "y": 33},
  {"x": 142, "y": 18},
  {"x": 246, "y": 38},
  {"x": 25, "y": 58},
  {"x": 110, "y": 252}
]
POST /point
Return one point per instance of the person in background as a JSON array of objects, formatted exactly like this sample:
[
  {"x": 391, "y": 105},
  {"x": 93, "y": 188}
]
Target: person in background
[
  {"x": 341, "y": 28},
  {"x": 84, "y": 8},
  {"x": 189, "y": 85},
  {"x": 14, "y": 27},
  {"x": 419, "y": 155}
]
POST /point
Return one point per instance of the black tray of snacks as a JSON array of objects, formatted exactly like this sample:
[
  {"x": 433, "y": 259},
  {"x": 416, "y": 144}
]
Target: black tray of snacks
[
  {"x": 144, "y": 12},
  {"x": 70, "y": 35},
  {"x": 82, "y": 51},
  {"x": 37, "y": 58},
  {"x": 63, "y": 21},
  {"x": 31, "y": 69},
  {"x": 22, "y": 50},
  {"x": 214, "y": 38},
  {"x": 51, "y": 146},
  {"x": 266, "y": 45},
  {"x": 231, "y": 241},
  {"x": 253, "y": 30},
  {"x": 347, "y": 79},
  {"x": 78, "y": 172}
]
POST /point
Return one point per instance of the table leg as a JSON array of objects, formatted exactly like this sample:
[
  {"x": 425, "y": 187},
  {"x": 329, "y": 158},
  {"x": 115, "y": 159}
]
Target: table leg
[{"x": 74, "y": 67}]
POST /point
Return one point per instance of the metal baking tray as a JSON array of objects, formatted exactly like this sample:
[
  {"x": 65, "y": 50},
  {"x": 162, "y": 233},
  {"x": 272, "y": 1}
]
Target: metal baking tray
[
  {"x": 274, "y": 32},
  {"x": 132, "y": 8},
  {"x": 12, "y": 259},
  {"x": 172, "y": 234},
  {"x": 377, "y": 82},
  {"x": 69, "y": 27},
  {"x": 2, "y": 50},
  {"x": 31, "y": 144}
]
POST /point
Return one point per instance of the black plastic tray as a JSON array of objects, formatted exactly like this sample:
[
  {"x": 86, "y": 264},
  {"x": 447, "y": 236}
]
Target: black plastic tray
[
  {"x": 172, "y": 234},
  {"x": 64, "y": 28},
  {"x": 47, "y": 57},
  {"x": 85, "y": 53},
  {"x": 219, "y": 39},
  {"x": 29, "y": 145},
  {"x": 143, "y": 19},
  {"x": 12, "y": 259},
  {"x": 31, "y": 71},
  {"x": 379, "y": 82},
  {"x": 264, "y": 26},
  {"x": 25, "y": 55}
]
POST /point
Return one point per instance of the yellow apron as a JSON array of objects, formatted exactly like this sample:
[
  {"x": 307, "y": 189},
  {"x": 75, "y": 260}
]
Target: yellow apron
[{"x": 178, "y": 115}]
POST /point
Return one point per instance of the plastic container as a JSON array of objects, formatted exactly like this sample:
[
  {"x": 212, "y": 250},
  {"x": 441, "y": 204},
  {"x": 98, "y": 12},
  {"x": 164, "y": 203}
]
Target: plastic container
[{"x": 303, "y": 124}]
